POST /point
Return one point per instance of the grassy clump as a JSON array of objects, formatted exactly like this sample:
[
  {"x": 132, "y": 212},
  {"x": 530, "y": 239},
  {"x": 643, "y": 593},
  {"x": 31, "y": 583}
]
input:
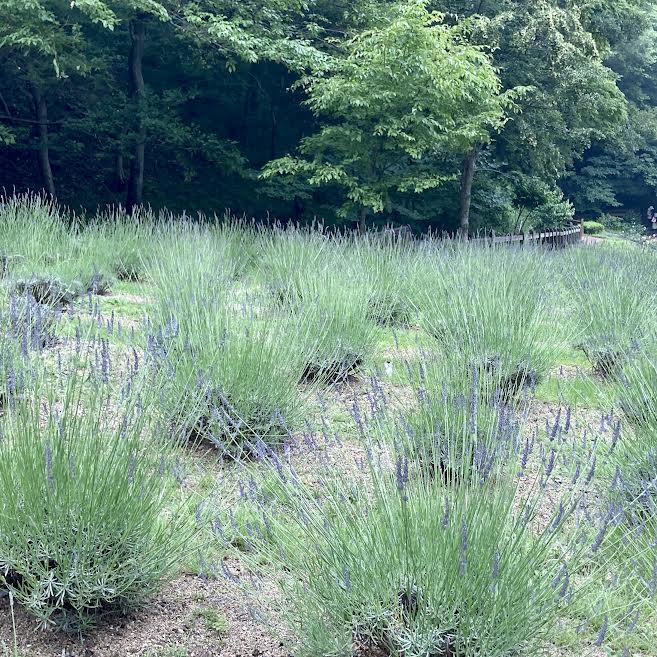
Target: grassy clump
[
  {"x": 633, "y": 462},
  {"x": 489, "y": 306},
  {"x": 335, "y": 316},
  {"x": 49, "y": 291},
  {"x": 329, "y": 292},
  {"x": 396, "y": 563},
  {"x": 287, "y": 258},
  {"x": 232, "y": 366},
  {"x": 88, "y": 525},
  {"x": 389, "y": 264},
  {"x": 611, "y": 304},
  {"x": 458, "y": 426}
]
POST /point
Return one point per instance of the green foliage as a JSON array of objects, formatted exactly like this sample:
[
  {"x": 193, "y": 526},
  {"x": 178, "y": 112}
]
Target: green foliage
[
  {"x": 232, "y": 366},
  {"x": 593, "y": 227},
  {"x": 331, "y": 296},
  {"x": 213, "y": 619},
  {"x": 488, "y": 307},
  {"x": 405, "y": 92},
  {"x": 404, "y": 565},
  {"x": 103, "y": 529},
  {"x": 551, "y": 96},
  {"x": 613, "y": 310},
  {"x": 635, "y": 454}
]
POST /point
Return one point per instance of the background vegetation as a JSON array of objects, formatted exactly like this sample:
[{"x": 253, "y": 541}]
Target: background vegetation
[{"x": 505, "y": 114}]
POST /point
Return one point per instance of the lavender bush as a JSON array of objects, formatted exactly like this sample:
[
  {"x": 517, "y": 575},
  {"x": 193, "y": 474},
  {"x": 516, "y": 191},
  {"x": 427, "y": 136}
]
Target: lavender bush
[
  {"x": 490, "y": 307},
  {"x": 610, "y": 303},
  {"x": 396, "y": 563},
  {"x": 89, "y": 522},
  {"x": 231, "y": 367}
]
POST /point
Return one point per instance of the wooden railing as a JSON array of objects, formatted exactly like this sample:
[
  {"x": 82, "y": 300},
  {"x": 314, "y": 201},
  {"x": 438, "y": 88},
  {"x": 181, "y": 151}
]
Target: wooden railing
[{"x": 555, "y": 238}]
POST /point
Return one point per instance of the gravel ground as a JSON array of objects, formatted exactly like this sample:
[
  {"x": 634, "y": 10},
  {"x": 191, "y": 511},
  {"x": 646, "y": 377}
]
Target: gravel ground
[{"x": 174, "y": 624}]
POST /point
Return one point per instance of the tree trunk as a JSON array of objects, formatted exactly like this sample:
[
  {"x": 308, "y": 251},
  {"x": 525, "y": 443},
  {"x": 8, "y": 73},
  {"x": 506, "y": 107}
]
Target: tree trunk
[
  {"x": 362, "y": 220},
  {"x": 41, "y": 111},
  {"x": 467, "y": 178},
  {"x": 136, "y": 179}
]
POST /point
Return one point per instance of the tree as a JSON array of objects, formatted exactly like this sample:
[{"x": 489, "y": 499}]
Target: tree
[
  {"x": 403, "y": 93},
  {"x": 570, "y": 98},
  {"x": 619, "y": 173},
  {"x": 39, "y": 49}
]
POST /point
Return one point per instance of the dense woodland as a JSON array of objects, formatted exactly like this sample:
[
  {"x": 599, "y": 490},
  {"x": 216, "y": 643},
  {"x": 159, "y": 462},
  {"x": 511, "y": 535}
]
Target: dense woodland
[{"x": 470, "y": 114}]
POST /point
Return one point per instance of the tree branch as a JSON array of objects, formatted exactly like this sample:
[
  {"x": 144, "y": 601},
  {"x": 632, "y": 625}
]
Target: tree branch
[{"x": 31, "y": 121}]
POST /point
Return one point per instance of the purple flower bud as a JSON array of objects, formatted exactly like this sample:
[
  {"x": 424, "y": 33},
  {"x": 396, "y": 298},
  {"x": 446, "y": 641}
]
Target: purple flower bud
[
  {"x": 401, "y": 472},
  {"x": 445, "y": 521},
  {"x": 463, "y": 549},
  {"x": 616, "y": 435},
  {"x": 589, "y": 476},
  {"x": 50, "y": 477},
  {"x": 603, "y": 632}
]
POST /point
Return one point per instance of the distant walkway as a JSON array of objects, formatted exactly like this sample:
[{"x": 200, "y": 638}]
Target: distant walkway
[{"x": 591, "y": 239}]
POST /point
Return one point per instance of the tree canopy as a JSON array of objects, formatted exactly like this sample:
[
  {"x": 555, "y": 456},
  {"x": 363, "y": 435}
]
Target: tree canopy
[{"x": 448, "y": 114}]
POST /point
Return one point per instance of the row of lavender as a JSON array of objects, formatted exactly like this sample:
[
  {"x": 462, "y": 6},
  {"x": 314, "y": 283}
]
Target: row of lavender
[{"x": 436, "y": 520}]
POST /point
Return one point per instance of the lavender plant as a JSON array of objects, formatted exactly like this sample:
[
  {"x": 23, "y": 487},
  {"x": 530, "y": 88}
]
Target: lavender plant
[
  {"x": 288, "y": 257},
  {"x": 90, "y": 524},
  {"x": 490, "y": 306},
  {"x": 610, "y": 302},
  {"x": 232, "y": 366},
  {"x": 43, "y": 251},
  {"x": 397, "y": 563},
  {"x": 335, "y": 311},
  {"x": 633, "y": 450},
  {"x": 389, "y": 262},
  {"x": 458, "y": 426}
]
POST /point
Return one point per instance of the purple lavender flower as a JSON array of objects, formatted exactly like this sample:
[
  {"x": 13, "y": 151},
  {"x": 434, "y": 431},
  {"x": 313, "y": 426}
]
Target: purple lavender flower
[
  {"x": 603, "y": 632},
  {"x": 463, "y": 549},
  {"x": 401, "y": 472},
  {"x": 445, "y": 521}
]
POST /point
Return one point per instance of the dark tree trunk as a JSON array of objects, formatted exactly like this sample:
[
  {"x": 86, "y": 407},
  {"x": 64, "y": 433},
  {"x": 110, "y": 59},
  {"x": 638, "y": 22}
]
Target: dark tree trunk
[
  {"x": 467, "y": 178},
  {"x": 136, "y": 179},
  {"x": 41, "y": 112},
  {"x": 362, "y": 220}
]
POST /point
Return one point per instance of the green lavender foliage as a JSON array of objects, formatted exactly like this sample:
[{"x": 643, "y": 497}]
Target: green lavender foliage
[
  {"x": 393, "y": 561},
  {"x": 489, "y": 305},
  {"x": 612, "y": 304},
  {"x": 104, "y": 529},
  {"x": 232, "y": 363}
]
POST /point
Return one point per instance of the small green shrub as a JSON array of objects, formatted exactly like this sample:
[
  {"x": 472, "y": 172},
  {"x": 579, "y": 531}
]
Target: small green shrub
[
  {"x": 213, "y": 619},
  {"x": 232, "y": 366},
  {"x": 335, "y": 317},
  {"x": 49, "y": 290},
  {"x": 88, "y": 521},
  {"x": 593, "y": 227},
  {"x": 489, "y": 306},
  {"x": 459, "y": 424},
  {"x": 633, "y": 463},
  {"x": 616, "y": 223}
]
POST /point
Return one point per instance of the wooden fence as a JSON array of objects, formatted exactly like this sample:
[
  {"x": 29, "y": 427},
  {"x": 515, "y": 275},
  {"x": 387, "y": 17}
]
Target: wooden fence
[{"x": 552, "y": 239}]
